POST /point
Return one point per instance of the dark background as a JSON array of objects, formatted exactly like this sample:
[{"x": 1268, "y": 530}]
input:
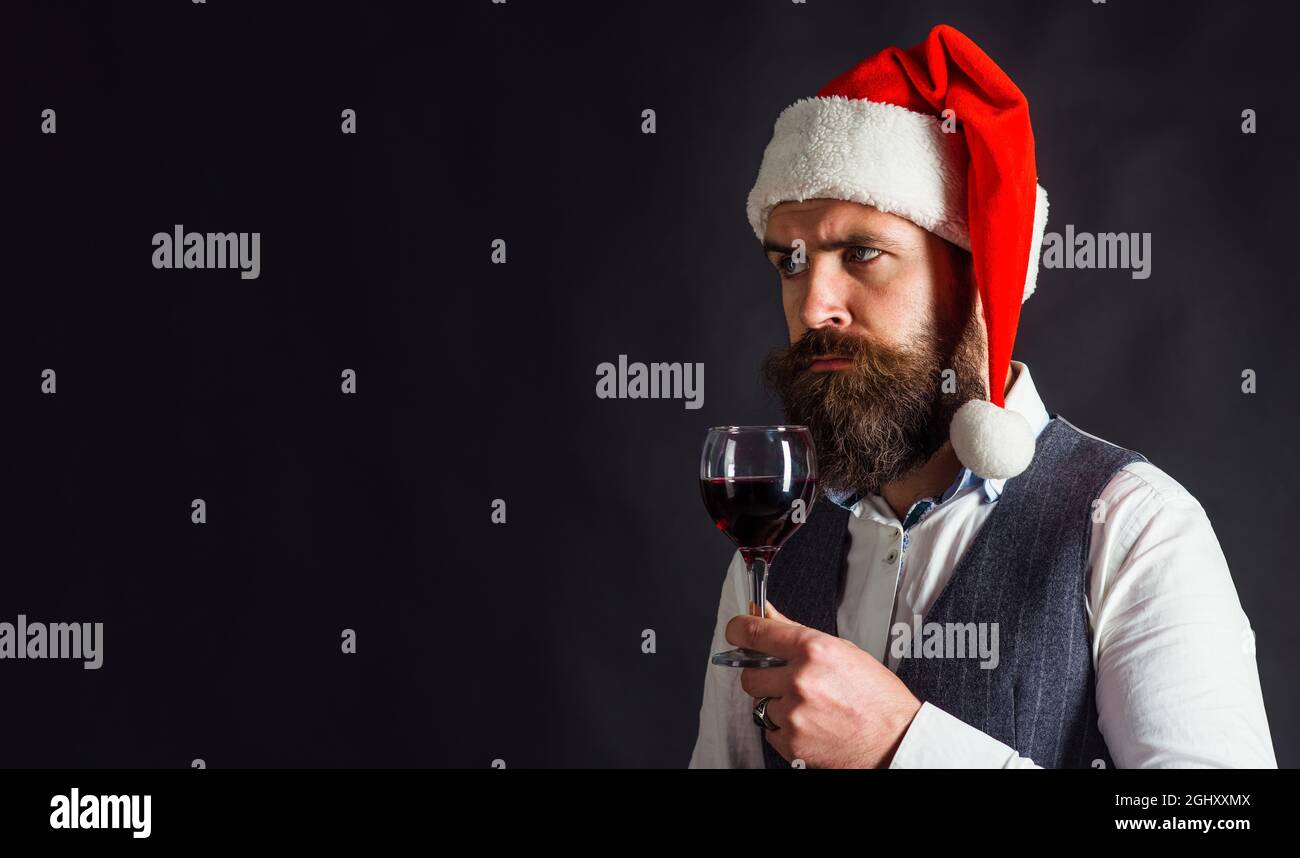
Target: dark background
[{"x": 477, "y": 381}]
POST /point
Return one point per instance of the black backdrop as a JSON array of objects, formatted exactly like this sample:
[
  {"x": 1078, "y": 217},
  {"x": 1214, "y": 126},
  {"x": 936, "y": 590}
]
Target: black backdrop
[{"x": 522, "y": 641}]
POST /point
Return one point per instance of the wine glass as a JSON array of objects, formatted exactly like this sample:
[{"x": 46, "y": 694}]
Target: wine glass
[{"x": 759, "y": 484}]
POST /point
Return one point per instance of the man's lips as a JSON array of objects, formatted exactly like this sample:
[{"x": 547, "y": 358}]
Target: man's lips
[{"x": 829, "y": 363}]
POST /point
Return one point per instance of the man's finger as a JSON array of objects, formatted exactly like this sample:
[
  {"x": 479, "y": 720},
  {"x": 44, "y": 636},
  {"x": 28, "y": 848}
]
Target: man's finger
[
  {"x": 778, "y": 711},
  {"x": 765, "y": 681},
  {"x": 769, "y": 636}
]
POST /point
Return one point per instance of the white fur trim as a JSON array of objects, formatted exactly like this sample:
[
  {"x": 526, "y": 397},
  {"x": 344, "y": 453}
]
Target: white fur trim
[
  {"x": 868, "y": 152},
  {"x": 880, "y": 155},
  {"x": 995, "y": 443},
  {"x": 1036, "y": 244}
]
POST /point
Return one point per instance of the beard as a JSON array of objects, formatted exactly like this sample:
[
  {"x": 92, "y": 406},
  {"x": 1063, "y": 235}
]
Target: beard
[{"x": 888, "y": 414}]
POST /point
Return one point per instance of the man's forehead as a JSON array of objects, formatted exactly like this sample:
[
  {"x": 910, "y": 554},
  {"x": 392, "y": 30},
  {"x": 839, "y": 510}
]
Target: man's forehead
[{"x": 823, "y": 220}]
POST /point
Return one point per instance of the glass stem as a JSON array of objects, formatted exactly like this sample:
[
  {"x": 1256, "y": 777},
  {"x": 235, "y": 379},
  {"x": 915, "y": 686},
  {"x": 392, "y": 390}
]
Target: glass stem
[{"x": 758, "y": 566}]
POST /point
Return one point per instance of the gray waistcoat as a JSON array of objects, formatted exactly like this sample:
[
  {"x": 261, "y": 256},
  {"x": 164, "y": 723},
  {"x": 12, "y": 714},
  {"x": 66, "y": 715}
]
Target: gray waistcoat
[{"x": 1027, "y": 571}]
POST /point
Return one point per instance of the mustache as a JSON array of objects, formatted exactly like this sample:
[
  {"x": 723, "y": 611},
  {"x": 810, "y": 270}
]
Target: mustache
[
  {"x": 814, "y": 343},
  {"x": 866, "y": 355}
]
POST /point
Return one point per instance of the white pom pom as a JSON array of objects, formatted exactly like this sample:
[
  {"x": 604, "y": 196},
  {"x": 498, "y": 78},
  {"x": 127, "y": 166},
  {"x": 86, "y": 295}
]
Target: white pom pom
[{"x": 993, "y": 442}]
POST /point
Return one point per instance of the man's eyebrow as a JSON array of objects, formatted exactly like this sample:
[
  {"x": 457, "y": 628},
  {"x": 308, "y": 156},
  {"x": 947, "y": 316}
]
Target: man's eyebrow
[{"x": 854, "y": 239}]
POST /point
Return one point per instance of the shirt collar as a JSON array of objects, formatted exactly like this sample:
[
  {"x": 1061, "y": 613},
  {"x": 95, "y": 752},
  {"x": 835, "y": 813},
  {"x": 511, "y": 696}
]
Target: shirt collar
[{"x": 1021, "y": 398}]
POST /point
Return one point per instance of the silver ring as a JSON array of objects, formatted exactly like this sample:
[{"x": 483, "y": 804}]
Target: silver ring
[{"x": 760, "y": 715}]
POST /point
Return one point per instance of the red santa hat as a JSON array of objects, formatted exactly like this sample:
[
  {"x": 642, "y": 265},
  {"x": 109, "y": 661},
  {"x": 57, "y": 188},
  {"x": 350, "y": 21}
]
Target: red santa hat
[{"x": 876, "y": 135}]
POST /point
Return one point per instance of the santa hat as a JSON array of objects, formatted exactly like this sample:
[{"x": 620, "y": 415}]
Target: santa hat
[{"x": 876, "y": 135}]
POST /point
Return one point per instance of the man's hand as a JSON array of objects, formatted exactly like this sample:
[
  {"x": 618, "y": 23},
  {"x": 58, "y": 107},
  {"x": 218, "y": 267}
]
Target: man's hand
[{"x": 835, "y": 705}]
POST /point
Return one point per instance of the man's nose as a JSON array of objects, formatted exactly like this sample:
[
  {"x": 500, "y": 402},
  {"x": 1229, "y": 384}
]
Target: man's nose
[{"x": 825, "y": 304}]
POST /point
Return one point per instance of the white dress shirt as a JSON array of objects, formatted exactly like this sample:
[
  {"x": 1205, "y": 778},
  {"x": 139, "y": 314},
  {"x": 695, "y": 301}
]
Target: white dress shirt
[{"x": 1172, "y": 650}]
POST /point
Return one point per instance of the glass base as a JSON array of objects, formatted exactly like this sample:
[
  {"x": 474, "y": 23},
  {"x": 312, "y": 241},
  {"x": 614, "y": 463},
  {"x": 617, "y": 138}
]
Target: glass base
[{"x": 746, "y": 658}]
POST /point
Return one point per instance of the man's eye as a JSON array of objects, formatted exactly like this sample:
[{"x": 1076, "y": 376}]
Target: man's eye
[
  {"x": 863, "y": 254},
  {"x": 788, "y": 267}
]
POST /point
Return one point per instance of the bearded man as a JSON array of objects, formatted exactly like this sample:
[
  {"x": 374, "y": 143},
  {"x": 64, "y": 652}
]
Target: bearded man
[{"x": 901, "y": 209}]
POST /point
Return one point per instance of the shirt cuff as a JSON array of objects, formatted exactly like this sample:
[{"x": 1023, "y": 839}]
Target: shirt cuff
[{"x": 937, "y": 740}]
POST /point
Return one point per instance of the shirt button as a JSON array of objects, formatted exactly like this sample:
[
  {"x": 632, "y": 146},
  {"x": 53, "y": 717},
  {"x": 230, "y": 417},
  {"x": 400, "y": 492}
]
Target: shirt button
[{"x": 891, "y": 557}]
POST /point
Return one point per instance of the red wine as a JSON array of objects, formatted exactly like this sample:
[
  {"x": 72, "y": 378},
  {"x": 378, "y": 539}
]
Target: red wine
[{"x": 756, "y": 512}]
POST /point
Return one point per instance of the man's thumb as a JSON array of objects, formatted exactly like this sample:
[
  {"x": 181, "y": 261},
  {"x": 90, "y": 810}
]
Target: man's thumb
[{"x": 774, "y": 614}]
